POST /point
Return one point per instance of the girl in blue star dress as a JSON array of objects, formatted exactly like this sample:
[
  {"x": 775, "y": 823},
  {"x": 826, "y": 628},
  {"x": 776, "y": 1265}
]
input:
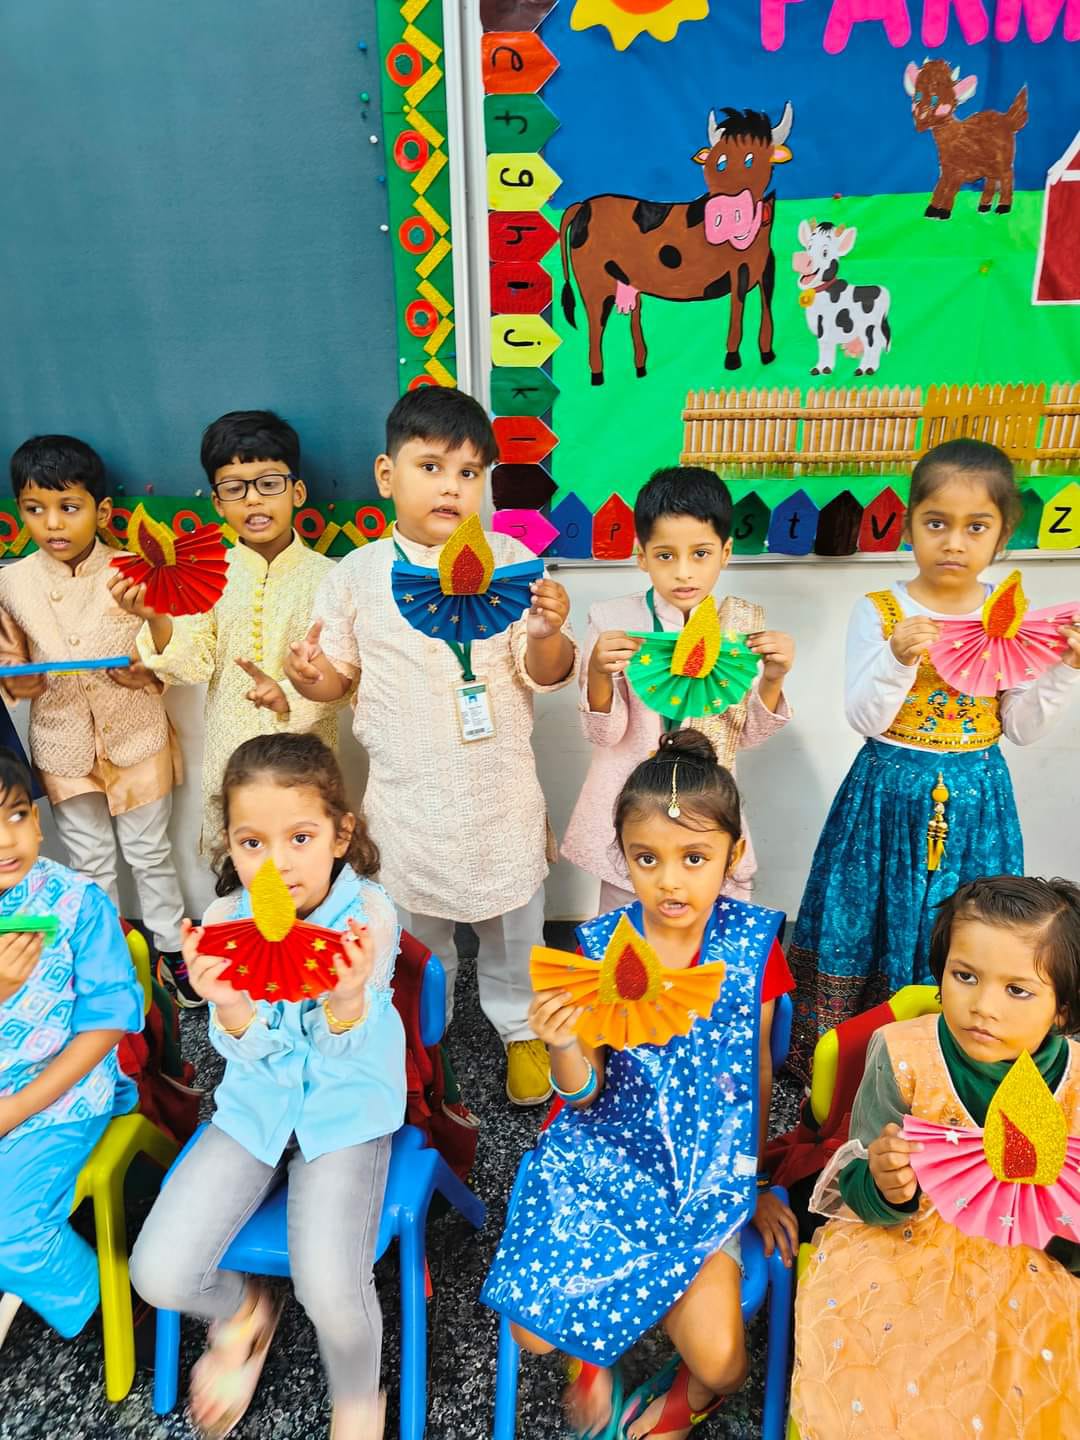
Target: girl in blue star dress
[
  {"x": 65, "y": 1003},
  {"x": 630, "y": 1209}
]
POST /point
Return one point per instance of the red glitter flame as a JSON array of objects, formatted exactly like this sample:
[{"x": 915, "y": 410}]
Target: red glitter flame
[
  {"x": 467, "y": 572},
  {"x": 151, "y": 547},
  {"x": 1020, "y": 1159},
  {"x": 695, "y": 661},
  {"x": 631, "y": 977},
  {"x": 1002, "y": 614}
]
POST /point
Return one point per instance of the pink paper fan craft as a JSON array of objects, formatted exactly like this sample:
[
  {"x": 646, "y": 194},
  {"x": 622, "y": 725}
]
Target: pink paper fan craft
[
  {"x": 1014, "y": 1182},
  {"x": 1009, "y": 646}
]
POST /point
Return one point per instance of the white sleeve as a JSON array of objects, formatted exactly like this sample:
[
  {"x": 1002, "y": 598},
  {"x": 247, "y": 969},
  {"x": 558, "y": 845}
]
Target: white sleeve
[
  {"x": 875, "y": 683},
  {"x": 1029, "y": 711}
]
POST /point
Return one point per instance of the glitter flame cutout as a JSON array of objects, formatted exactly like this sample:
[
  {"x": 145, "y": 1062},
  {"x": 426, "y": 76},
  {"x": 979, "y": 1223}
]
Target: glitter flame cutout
[
  {"x": 183, "y": 574},
  {"x": 629, "y": 997},
  {"x": 274, "y": 956},
  {"x": 1017, "y": 1180},
  {"x": 1008, "y": 646},
  {"x": 699, "y": 670},
  {"x": 466, "y": 598}
]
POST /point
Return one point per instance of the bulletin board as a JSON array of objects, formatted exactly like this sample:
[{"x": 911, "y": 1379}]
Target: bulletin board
[
  {"x": 886, "y": 191},
  {"x": 211, "y": 207}
]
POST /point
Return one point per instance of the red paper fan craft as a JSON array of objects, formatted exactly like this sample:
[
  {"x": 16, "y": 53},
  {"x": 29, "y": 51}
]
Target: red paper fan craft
[
  {"x": 274, "y": 956},
  {"x": 183, "y": 574},
  {"x": 1009, "y": 646}
]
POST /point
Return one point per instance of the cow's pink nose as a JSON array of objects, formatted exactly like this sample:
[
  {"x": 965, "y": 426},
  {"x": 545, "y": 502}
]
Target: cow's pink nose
[
  {"x": 801, "y": 262},
  {"x": 732, "y": 219}
]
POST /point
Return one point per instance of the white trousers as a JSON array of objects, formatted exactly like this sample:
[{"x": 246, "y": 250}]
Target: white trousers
[
  {"x": 86, "y": 828},
  {"x": 502, "y": 966}
]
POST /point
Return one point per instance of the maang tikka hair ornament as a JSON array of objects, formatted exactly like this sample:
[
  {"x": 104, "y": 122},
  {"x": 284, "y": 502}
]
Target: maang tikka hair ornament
[{"x": 673, "y": 808}]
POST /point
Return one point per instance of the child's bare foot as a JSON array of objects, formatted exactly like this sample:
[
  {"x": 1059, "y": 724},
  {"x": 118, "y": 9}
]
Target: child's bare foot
[
  {"x": 588, "y": 1398},
  {"x": 358, "y": 1419},
  {"x": 225, "y": 1376}
]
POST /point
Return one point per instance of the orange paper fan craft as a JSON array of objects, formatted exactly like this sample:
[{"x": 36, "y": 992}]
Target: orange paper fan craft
[
  {"x": 183, "y": 574},
  {"x": 1008, "y": 646},
  {"x": 629, "y": 997},
  {"x": 274, "y": 956}
]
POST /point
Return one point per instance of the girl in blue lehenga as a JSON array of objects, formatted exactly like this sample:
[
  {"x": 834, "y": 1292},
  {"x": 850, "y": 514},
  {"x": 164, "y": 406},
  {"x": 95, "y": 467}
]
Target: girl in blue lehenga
[
  {"x": 864, "y": 925},
  {"x": 630, "y": 1210}
]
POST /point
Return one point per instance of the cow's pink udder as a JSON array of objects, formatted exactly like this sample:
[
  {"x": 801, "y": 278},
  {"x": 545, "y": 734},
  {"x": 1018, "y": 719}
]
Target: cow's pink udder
[
  {"x": 625, "y": 297},
  {"x": 854, "y": 348},
  {"x": 734, "y": 219}
]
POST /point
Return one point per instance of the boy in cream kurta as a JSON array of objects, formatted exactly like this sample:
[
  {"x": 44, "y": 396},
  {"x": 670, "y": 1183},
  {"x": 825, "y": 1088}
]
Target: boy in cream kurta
[
  {"x": 101, "y": 740},
  {"x": 461, "y": 826}
]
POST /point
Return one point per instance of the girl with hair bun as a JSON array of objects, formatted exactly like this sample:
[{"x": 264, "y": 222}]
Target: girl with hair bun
[{"x": 630, "y": 1210}]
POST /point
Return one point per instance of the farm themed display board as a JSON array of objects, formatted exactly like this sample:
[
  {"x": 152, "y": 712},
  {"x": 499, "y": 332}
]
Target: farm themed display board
[{"x": 797, "y": 241}]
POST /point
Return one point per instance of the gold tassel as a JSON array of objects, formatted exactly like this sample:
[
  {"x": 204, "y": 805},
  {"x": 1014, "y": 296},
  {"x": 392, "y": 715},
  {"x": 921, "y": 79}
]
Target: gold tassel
[{"x": 938, "y": 828}]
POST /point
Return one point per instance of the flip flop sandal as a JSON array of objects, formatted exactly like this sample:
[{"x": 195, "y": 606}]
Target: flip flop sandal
[
  {"x": 234, "y": 1388},
  {"x": 583, "y": 1375},
  {"x": 671, "y": 1382}
]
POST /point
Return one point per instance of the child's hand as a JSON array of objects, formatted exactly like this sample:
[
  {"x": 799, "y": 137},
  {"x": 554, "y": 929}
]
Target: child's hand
[
  {"x": 549, "y": 610},
  {"x": 10, "y": 1114},
  {"x": 1072, "y": 638},
  {"x": 135, "y": 677},
  {"x": 355, "y": 968},
  {"x": 301, "y": 662},
  {"x": 777, "y": 1226},
  {"x": 552, "y": 1017},
  {"x": 777, "y": 651},
  {"x": 613, "y": 651},
  {"x": 204, "y": 971},
  {"x": 25, "y": 687},
  {"x": 913, "y": 637},
  {"x": 890, "y": 1165},
  {"x": 265, "y": 694},
  {"x": 130, "y": 596},
  {"x": 19, "y": 953}
]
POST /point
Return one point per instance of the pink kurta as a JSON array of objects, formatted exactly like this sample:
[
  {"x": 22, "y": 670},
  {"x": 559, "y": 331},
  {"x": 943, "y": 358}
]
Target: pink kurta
[{"x": 630, "y": 733}]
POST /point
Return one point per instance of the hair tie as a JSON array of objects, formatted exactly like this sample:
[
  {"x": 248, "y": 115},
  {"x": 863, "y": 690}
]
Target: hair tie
[{"x": 673, "y": 808}]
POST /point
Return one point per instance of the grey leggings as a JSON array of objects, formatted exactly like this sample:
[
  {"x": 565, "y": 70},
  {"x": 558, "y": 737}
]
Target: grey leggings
[{"x": 334, "y": 1208}]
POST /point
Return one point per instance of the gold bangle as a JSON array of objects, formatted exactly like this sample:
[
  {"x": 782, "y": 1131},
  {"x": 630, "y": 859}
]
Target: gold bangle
[
  {"x": 240, "y": 1029},
  {"x": 342, "y": 1025}
]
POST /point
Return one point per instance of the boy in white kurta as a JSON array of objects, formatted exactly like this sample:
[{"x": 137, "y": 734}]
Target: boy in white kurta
[{"x": 461, "y": 825}]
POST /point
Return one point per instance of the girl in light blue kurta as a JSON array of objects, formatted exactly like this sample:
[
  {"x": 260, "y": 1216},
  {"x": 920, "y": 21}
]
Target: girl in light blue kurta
[
  {"x": 313, "y": 1089},
  {"x": 65, "y": 1002}
]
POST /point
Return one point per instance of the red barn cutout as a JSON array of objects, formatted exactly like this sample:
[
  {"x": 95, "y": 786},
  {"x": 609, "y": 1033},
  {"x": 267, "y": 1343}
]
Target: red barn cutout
[{"x": 1057, "y": 266}]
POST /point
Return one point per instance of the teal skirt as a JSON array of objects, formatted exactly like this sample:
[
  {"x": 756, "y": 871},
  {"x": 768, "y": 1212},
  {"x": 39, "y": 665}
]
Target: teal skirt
[{"x": 868, "y": 910}]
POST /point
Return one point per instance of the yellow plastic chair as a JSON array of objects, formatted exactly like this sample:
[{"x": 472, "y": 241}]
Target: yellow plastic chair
[
  {"x": 102, "y": 1181},
  {"x": 906, "y": 1004}
]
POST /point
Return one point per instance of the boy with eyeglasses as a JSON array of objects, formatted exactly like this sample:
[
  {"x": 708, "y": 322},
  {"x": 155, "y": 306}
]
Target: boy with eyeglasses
[{"x": 252, "y": 460}]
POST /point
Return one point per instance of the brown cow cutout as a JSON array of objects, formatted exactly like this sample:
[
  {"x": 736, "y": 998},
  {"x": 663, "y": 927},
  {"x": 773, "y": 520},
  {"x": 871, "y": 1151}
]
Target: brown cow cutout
[
  {"x": 620, "y": 248},
  {"x": 982, "y": 147}
]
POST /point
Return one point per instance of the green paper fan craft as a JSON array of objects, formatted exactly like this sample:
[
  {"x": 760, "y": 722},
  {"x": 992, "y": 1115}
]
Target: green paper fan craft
[{"x": 696, "y": 671}]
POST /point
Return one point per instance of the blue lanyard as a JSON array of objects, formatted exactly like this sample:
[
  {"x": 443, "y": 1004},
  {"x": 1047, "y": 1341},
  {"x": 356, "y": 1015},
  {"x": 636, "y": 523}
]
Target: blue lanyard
[{"x": 462, "y": 653}]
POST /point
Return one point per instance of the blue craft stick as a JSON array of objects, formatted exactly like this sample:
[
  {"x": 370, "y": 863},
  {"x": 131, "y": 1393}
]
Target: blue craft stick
[{"x": 46, "y": 667}]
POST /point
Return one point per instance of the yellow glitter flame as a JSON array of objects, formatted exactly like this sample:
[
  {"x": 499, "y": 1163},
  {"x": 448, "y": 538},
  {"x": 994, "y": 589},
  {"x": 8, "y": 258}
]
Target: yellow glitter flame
[
  {"x": 466, "y": 564},
  {"x": 272, "y": 906},
  {"x": 698, "y": 647},
  {"x": 1005, "y": 608},
  {"x": 150, "y": 539},
  {"x": 630, "y": 970},
  {"x": 1026, "y": 1133}
]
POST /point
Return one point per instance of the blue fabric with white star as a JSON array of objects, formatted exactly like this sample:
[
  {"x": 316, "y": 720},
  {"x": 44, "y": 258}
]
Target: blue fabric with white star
[
  {"x": 623, "y": 1202},
  {"x": 464, "y": 618}
]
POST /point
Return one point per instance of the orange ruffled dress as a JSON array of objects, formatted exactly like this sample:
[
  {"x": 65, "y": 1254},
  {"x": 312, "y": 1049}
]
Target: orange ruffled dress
[{"x": 916, "y": 1330}]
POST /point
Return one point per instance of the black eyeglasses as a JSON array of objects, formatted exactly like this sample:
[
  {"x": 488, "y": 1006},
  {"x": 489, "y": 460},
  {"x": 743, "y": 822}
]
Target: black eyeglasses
[{"x": 273, "y": 484}]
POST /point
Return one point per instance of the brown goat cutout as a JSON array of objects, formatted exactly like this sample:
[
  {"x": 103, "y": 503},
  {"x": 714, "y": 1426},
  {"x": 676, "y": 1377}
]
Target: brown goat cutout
[{"x": 982, "y": 147}]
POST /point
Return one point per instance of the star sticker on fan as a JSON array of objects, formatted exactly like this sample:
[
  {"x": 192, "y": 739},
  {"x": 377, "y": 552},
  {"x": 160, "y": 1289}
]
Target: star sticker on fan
[
  {"x": 276, "y": 955},
  {"x": 1014, "y": 1180},
  {"x": 1007, "y": 644},
  {"x": 707, "y": 671},
  {"x": 466, "y": 589},
  {"x": 628, "y": 997}
]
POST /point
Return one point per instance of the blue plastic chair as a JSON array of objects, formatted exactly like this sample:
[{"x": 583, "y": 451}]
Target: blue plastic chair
[
  {"x": 761, "y": 1279},
  {"x": 416, "y": 1173}
]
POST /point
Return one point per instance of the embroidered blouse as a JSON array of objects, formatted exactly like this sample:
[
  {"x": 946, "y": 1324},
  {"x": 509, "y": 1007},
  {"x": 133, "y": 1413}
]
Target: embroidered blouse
[{"x": 83, "y": 981}]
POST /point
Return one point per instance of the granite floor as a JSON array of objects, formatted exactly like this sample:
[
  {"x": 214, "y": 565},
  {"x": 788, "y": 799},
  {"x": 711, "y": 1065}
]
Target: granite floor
[{"x": 53, "y": 1390}]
